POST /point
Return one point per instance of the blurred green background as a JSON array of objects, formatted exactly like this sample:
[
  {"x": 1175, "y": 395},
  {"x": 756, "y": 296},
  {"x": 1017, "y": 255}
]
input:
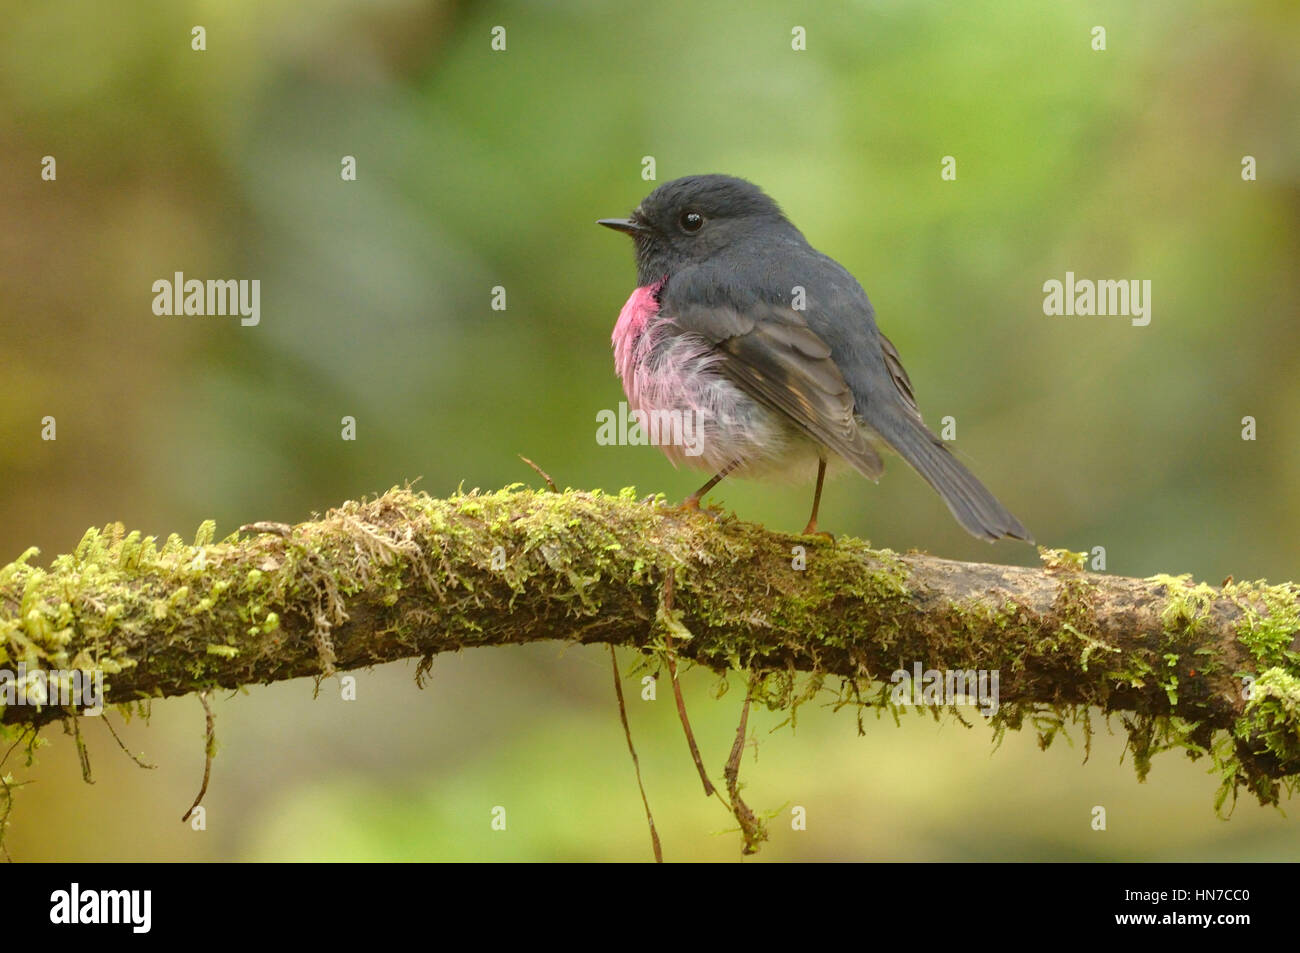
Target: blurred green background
[{"x": 479, "y": 168}]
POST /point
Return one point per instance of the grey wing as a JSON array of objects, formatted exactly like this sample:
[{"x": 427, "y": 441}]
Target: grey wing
[
  {"x": 770, "y": 351},
  {"x": 894, "y": 364}
]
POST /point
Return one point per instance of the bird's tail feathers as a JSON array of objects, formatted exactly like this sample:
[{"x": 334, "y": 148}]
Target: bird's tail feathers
[{"x": 974, "y": 507}]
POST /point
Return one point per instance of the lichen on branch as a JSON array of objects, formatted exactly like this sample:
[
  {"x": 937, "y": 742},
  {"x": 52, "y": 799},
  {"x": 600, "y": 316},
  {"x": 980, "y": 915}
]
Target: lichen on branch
[{"x": 1213, "y": 670}]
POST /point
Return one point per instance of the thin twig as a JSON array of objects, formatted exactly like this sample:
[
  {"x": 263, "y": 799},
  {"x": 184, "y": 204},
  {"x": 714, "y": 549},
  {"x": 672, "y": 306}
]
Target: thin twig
[
  {"x": 751, "y": 827},
  {"x": 627, "y": 730},
  {"x": 8, "y": 791},
  {"x": 670, "y": 657},
  {"x": 83, "y": 753},
  {"x": 22, "y": 736},
  {"x": 209, "y": 750},
  {"x": 542, "y": 473},
  {"x": 109, "y": 725}
]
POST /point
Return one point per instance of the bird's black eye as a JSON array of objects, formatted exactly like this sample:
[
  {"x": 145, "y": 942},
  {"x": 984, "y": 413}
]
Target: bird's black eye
[{"x": 692, "y": 221}]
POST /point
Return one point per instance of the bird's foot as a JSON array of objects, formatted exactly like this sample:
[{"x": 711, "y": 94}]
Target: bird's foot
[
  {"x": 811, "y": 530},
  {"x": 691, "y": 506}
]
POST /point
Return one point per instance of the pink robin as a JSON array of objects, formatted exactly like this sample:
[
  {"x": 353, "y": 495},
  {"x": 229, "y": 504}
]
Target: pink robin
[{"x": 770, "y": 350}]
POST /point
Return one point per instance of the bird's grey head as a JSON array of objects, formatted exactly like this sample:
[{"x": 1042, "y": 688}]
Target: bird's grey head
[{"x": 689, "y": 220}]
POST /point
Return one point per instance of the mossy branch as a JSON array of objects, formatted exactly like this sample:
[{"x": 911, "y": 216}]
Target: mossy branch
[{"x": 1212, "y": 670}]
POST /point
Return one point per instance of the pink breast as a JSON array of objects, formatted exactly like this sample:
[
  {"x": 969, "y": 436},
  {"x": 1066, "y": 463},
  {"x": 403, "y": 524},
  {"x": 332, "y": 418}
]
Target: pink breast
[{"x": 641, "y": 306}]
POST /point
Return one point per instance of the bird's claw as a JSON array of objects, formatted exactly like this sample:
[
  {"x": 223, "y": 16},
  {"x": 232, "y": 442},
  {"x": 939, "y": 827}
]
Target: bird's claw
[{"x": 691, "y": 505}]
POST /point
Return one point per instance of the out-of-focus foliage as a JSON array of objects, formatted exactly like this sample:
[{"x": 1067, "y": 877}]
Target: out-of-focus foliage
[{"x": 479, "y": 168}]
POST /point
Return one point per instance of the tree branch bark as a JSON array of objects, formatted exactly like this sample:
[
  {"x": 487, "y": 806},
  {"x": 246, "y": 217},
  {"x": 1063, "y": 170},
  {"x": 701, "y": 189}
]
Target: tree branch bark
[{"x": 1212, "y": 670}]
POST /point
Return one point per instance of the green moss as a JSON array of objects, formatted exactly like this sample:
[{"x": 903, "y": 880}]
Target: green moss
[
  {"x": 1062, "y": 560},
  {"x": 1270, "y": 620},
  {"x": 1186, "y": 604}
]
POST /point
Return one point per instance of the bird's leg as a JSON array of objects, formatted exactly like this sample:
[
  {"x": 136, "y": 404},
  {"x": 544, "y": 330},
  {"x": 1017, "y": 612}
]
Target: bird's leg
[
  {"x": 692, "y": 502},
  {"x": 811, "y": 528}
]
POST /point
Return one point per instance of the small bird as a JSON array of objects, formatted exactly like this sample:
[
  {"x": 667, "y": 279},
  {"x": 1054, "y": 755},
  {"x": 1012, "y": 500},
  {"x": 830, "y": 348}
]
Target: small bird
[{"x": 771, "y": 350}]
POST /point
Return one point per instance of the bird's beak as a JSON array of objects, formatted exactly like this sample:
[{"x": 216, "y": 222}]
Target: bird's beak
[{"x": 629, "y": 225}]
